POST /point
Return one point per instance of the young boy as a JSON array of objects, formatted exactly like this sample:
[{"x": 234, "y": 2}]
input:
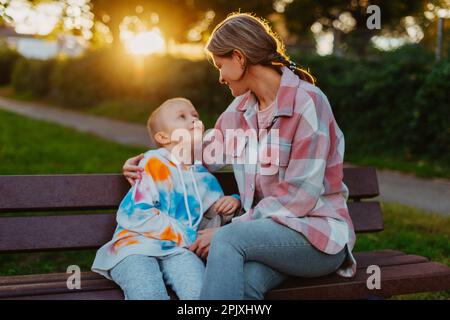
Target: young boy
[{"x": 159, "y": 217}]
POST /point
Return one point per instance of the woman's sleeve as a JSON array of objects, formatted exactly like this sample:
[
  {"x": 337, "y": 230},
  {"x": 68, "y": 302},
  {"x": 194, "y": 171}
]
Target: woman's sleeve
[
  {"x": 298, "y": 194},
  {"x": 214, "y": 139}
]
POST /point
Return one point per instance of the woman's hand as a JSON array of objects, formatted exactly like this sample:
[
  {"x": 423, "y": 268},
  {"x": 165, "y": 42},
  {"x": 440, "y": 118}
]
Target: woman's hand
[
  {"x": 226, "y": 205},
  {"x": 201, "y": 246},
  {"x": 130, "y": 169}
]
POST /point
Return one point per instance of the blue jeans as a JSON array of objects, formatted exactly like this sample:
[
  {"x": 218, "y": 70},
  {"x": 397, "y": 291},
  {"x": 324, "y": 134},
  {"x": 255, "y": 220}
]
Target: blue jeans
[
  {"x": 144, "y": 278},
  {"x": 247, "y": 259}
]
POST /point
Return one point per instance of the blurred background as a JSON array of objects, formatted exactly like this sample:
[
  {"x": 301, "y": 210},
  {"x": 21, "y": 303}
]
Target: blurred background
[
  {"x": 388, "y": 87},
  {"x": 103, "y": 66}
]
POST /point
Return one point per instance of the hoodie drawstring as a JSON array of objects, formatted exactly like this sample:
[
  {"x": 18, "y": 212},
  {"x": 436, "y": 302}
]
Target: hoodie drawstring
[
  {"x": 185, "y": 196},
  {"x": 198, "y": 196}
]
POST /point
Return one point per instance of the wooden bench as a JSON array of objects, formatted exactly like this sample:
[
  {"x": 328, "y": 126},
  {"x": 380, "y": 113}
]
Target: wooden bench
[{"x": 400, "y": 273}]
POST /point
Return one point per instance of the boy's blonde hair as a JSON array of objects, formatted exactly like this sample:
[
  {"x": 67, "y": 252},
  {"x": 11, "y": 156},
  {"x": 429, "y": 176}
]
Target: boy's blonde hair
[{"x": 154, "y": 125}]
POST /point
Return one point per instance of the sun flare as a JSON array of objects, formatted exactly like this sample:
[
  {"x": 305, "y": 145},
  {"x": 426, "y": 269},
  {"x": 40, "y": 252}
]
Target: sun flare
[{"x": 145, "y": 43}]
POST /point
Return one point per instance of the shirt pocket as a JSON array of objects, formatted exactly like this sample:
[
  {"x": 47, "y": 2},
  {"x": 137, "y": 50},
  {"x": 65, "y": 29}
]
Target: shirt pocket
[
  {"x": 285, "y": 154},
  {"x": 235, "y": 150},
  {"x": 277, "y": 159}
]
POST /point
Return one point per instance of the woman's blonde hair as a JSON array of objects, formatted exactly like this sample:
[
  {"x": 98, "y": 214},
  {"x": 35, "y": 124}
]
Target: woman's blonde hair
[{"x": 255, "y": 39}]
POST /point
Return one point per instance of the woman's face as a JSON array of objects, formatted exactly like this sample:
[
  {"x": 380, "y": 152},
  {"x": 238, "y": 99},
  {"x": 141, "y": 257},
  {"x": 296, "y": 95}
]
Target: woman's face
[{"x": 232, "y": 72}]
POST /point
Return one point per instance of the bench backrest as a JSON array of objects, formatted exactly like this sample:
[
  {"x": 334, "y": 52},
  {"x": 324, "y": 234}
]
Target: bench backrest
[{"x": 86, "y": 193}]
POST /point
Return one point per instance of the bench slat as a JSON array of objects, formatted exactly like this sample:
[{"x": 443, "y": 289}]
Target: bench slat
[
  {"x": 86, "y": 231},
  {"x": 395, "y": 280},
  {"x": 56, "y": 283},
  {"x": 364, "y": 259},
  {"x": 110, "y": 294},
  {"x": 105, "y": 191}
]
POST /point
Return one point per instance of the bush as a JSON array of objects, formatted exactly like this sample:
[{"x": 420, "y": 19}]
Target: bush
[
  {"x": 396, "y": 104},
  {"x": 32, "y": 77},
  {"x": 433, "y": 114},
  {"x": 8, "y": 58},
  {"x": 101, "y": 76}
]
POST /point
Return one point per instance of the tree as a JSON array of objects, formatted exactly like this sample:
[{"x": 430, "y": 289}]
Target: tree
[
  {"x": 347, "y": 19},
  {"x": 176, "y": 17}
]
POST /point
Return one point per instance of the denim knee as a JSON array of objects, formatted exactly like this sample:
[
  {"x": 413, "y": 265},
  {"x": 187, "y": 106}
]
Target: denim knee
[{"x": 228, "y": 234}]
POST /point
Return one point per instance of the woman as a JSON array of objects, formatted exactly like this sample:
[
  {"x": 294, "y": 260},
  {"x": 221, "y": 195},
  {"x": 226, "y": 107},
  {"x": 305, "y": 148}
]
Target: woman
[{"x": 296, "y": 221}]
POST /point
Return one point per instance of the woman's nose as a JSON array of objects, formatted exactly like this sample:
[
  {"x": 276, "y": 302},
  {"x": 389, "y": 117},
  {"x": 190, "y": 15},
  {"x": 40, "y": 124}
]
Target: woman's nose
[{"x": 221, "y": 79}]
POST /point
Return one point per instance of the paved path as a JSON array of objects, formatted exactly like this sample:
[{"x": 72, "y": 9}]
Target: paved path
[
  {"x": 115, "y": 130},
  {"x": 427, "y": 194}
]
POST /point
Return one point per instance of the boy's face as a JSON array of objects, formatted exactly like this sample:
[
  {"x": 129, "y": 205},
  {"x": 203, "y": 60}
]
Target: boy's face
[{"x": 179, "y": 115}]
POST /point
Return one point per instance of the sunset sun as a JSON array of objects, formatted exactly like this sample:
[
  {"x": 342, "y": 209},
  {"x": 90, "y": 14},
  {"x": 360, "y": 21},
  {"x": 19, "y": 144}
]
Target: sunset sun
[{"x": 145, "y": 43}]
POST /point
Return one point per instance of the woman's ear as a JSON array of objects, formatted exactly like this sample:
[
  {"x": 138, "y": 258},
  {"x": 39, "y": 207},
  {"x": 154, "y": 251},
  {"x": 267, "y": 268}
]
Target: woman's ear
[
  {"x": 162, "y": 138},
  {"x": 239, "y": 56}
]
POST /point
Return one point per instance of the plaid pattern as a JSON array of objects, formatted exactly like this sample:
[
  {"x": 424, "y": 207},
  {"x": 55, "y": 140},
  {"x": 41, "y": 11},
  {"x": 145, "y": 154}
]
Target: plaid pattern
[{"x": 307, "y": 193}]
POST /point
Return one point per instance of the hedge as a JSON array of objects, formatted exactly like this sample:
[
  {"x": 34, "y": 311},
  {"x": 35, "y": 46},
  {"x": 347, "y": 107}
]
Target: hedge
[
  {"x": 8, "y": 58},
  {"x": 394, "y": 104}
]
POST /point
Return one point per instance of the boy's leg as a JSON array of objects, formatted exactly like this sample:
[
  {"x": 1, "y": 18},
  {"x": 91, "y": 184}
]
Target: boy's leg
[
  {"x": 184, "y": 273},
  {"x": 140, "y": 278}
]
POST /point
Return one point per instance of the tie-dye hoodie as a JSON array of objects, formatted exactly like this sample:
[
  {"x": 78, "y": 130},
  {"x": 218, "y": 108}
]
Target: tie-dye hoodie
[{"x": 161, "y": 212}]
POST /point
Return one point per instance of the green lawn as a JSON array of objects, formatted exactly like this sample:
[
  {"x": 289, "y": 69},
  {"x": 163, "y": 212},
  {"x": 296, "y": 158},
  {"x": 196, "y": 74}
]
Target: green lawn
[
  {"x": 412, "y": 231},
  {"x": 426, "y": 168},
  {"x": 29, "y": 146}
]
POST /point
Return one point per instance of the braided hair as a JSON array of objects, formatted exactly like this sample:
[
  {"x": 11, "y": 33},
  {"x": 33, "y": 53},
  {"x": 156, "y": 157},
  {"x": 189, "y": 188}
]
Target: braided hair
[
  {"x": 278, "y": 58},
  {"x": 256, "y": 40}
]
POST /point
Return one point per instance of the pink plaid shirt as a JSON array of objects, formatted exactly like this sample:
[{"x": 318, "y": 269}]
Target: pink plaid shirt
[{"x": 307, "y": 193}]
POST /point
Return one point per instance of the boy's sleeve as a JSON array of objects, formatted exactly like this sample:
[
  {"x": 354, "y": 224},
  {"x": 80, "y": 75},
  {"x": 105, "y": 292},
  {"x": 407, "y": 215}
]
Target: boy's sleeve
[{"x": 235, "y": 195}]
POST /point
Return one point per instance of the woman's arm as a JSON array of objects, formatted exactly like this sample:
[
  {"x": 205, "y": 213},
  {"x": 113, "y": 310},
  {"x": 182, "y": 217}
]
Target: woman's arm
[
  {"x": 130, "y": 169},
  {"x": 201, "y": 246},
  {"x": 215, "y": 138}
]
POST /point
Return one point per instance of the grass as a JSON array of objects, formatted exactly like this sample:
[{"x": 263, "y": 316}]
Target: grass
[
  {"x": 412, "y": 231},
  {"x": 30, "y": 147},
  {"x": 35, "y": 147},
  {"x": 426, "y": 168}
]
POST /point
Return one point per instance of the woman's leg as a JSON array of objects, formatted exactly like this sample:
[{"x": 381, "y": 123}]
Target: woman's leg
[
  {"x": 265, "y": 241},
  {"x": 140, "y": 278},
  {"x": 184, "y": 273},
  {"x": 259, "y": 278}
]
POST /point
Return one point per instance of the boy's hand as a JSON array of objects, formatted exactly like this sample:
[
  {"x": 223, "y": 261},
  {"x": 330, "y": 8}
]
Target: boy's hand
[
  {"x": 199, "y": 129},
  {"x": 226, "y": 205}
]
